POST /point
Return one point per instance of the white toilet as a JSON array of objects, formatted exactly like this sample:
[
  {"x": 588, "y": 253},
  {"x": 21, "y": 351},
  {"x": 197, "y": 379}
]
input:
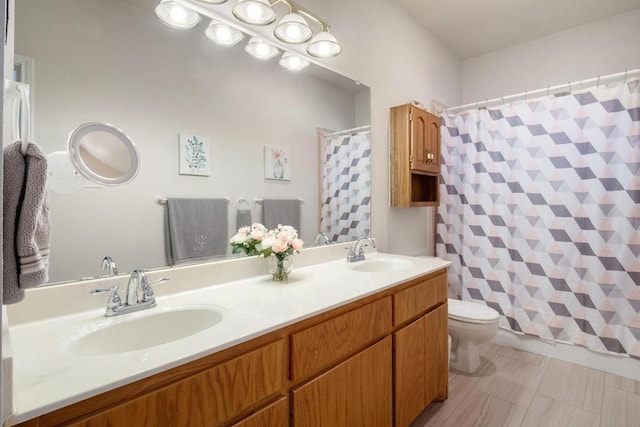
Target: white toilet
[{"x": 470, "y": 324}]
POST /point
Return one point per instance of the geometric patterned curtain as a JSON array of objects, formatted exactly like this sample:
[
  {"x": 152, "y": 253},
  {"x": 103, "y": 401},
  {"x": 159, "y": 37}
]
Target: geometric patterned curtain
[
  {"x": 346, "y": 186},
  {"x": 540, "y": 214}
]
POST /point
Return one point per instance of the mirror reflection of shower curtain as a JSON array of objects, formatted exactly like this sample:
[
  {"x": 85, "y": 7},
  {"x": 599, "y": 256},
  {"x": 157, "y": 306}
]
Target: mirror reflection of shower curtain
[{"x": 346, "y": 185}]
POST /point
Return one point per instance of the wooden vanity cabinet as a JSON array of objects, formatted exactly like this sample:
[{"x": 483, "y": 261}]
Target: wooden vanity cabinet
[
  {"x": 356, "y": 393},
  {"x": 414, "y": 157},
  {"x": 421, "y": 353},
  {"x": 377, "y": 361}
]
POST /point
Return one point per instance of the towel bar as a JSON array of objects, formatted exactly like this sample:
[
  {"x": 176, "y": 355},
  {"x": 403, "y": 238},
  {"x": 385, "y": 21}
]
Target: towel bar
[
  {"x": 259, "y": 200},
  {"x": 163, "y": 200}
]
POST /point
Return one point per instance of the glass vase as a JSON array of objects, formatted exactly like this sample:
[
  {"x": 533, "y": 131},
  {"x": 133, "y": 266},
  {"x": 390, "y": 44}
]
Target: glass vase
[{"x": 279, "y": 267}]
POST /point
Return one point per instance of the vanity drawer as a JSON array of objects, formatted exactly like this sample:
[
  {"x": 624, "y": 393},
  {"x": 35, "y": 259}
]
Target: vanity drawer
[
  {"x": 209, "y": 398},
  {"x": 320, "y": 346},
  {"x": 417, "y": 299}
]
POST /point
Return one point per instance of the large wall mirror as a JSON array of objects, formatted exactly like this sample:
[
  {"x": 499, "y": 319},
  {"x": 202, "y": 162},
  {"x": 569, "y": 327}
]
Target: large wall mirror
[{"x": 113, "y": 61}]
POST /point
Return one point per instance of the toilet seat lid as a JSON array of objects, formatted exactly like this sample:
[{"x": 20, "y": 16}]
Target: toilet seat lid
[{"x": 466, "y": 311}]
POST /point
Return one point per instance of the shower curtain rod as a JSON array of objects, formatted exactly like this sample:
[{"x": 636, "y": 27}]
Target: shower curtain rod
[
  {"x": 340, "y": 132},
  {"x": 545, "y": 91}
]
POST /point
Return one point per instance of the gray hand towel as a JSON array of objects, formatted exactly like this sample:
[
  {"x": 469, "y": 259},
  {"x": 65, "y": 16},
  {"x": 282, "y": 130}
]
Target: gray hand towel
[
  {"x": 196, "y": 229},
  {"x": 284, "y": 211},
  {"x": 243, "y": 218},
  {"x": 26, "y": 221}
]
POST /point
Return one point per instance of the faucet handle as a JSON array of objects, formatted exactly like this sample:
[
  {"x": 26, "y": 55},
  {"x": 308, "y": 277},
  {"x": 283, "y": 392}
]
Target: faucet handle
[
  {"x": 114, "y": 298},
  {"x": 147, "y": 292}
]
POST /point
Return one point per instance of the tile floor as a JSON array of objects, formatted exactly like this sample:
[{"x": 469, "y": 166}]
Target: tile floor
[{"x": 514, "y": 388}]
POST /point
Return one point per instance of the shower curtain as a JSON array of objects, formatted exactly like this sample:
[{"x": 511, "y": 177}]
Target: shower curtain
[
  {"x": 540, "y": 214},
  {"x": 346, "y": 186}
]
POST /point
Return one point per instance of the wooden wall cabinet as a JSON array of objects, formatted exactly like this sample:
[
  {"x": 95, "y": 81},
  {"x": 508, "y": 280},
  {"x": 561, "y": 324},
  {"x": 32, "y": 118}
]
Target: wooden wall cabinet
[
  {"x": 414, "y": 157},
  {"x": 375, "y": 362}
]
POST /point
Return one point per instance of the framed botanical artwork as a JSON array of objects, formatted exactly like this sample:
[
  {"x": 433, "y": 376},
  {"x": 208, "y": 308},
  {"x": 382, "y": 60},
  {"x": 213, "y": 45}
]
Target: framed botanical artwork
[
  {"x": 277, "y": 163},
  {"x": 195, "y": 156}
]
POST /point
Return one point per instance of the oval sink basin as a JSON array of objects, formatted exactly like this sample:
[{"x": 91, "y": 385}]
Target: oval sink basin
[
  {"x": 141, "y": 330},
  {"x": 381, "y": 265}
]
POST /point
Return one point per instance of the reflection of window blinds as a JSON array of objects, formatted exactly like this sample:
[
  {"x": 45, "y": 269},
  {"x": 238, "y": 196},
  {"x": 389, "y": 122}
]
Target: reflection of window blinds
[{"x": 346, "y": 186}]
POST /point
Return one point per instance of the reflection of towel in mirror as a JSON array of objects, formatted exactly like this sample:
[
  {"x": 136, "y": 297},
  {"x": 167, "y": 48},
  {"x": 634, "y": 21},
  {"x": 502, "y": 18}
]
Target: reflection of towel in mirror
[
  {"x": 243, "y": 218},
  {"x": 26, "y": 221},
  {"x": 195, "y": 229},
  {"x": 284, "y": 211}
]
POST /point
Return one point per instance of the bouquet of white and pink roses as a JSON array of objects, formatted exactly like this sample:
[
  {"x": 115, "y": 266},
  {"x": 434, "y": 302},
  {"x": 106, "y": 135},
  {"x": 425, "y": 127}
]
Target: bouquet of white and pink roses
[{"x": 282, "y": 241}]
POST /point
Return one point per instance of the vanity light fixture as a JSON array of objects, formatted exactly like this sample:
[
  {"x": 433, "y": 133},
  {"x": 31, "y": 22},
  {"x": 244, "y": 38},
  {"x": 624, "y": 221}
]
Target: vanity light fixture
[
  {"x": 260, "y": 49},
  {"x": 293, "y": 62},
  {"x": 223, "y": 34},
  {"x": 176, "y": 15},
  {"x": 293, "y": 28},
  {"x": 254, "y": 12},
  {"x": 323, "y": 45}
]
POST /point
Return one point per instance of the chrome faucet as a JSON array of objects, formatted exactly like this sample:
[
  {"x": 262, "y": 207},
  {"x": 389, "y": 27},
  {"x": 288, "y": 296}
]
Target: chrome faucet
[
  {"x": 109, "y": 266},
  {"x": 139, "y": 295},
  {"x": 321, "y": 237},
  {"x": 356, "y": 253}
]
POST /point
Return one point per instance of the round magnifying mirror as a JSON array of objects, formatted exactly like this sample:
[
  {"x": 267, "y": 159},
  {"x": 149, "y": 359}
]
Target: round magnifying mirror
[{"x": 103, "y": 154}]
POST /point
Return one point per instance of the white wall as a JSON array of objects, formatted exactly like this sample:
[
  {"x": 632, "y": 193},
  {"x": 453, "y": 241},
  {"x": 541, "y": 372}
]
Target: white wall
[
  {"x": 385, "y": 48},
  {"x": 596, "y": 49}
]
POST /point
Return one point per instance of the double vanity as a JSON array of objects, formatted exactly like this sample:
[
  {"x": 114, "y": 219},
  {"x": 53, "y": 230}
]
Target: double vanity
[{"x": 344, "y": 344}]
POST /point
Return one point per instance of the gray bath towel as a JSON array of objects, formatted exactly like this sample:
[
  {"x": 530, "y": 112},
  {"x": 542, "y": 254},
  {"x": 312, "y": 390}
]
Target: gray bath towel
[
  {"x": 243, "y": 218},
  {"x": 283, "y": 211},
  {"x": 196, "y": 229},
  {"x": 26, "y": 221}
]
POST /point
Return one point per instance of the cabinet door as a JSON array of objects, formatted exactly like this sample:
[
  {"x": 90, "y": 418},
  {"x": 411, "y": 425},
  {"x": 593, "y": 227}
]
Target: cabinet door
[
  {"x": 410, "y": 372},
  {"x": 354, "y": 393},
  {"x": 425, "y": 141},
  {"x": 274, "y": 415},
  {"x": 419, "y": 137},
  {"x": 437, "y": 354},
  {"x": 421, "y": 365},
  {"x": 433, "y": 147}
]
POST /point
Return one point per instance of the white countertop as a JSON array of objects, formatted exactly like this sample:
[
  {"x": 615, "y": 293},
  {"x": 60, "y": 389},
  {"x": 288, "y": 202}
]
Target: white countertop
[{"x": 46, "y": 379}]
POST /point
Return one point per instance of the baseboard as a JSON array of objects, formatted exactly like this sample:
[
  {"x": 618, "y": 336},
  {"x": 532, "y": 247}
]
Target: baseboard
[{"x": 618, "y": 365}]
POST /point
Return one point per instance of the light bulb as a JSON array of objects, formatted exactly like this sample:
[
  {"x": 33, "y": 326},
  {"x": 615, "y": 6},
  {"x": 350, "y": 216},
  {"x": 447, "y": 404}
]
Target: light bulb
[
  {"x": 293, "y": 31},
  {"x": 262, "y": 49},
  {"x": 324, "y": 48},
  {"x": 223, "y": 33},
  {"x": 253, "y": 11},
  {"x": 295, "y": 62},
  {"x": 178, "y": 14}
]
